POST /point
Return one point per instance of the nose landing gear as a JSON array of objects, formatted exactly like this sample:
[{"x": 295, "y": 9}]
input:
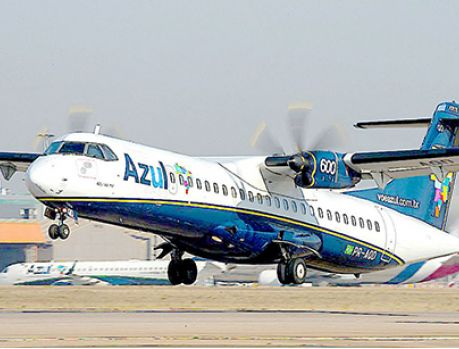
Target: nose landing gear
[{"x": 61, "y": 230}]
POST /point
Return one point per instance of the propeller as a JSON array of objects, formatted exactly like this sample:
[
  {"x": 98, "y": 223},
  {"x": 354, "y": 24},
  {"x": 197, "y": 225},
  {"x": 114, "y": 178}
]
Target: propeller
[{"x": 298, "y": 118}]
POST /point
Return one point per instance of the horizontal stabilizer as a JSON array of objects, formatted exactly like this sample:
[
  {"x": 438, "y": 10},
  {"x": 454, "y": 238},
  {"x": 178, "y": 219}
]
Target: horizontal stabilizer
[{"x": 404, "y": 123}]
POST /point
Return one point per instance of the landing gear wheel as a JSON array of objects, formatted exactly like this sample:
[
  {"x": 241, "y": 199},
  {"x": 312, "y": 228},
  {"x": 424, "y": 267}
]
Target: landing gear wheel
[
  {"x": 64, "y": 231},
  {"x": 189, "y": 271},
  {"x": 174, "y": 272},
  {"x": 53, "y": 231},
  {"x": 282, "y": 273},
  {"x": 297, "y": 271}
]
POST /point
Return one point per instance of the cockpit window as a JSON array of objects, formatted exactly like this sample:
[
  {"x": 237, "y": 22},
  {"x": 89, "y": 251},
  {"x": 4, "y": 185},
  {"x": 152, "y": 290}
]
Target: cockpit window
[
  {"x": 53, "y": 148},
  {"x": 72, "y": 148},
  {"x": 4, "y": 271},
  {"x": 109, "y": 154},
  {"x": 94, "y": 151}
]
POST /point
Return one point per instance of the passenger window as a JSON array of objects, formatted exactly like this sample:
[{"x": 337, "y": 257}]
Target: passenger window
[
  {"x": 337, "y": 217},
  {"x": 207, "y": 185},
  {"x": 268, "y": 200},
  {"x": 233, "y": 192},
  {"x": 172, "y": 176},
  {"x": 362, "y": 223},
  {"x": 260, "y": 199},
  {"x": 190, "y": 182},
  {"x": 321, "y": 213},
  {"x": 285, "y": 202},
  {"x": 354, "y": 221},
  {"x": 224, "y": 190},
  {"x": 198, "y": 184},
  {"x": 329, "y": 215},
  {"x": 294, "y": 206},
  {"x": 276, "y": 202},
  {"x": 180, "y": 177},
  {"x": 377, "y": 227},
  {"x": 93, "y": 151},
  {"x": 369, "y": 225},
  {"x": 251, "y": 197},
  {"x": 242, "y": 194},
  {"x": 216, "y": 190},
  {"x": 76, "y": 148},
  {"x": 312, "y": 211},
  {"x": 303, "y": 208},
  {"x": 109, "y": 154},
  {"x": 345, "y": 219}
]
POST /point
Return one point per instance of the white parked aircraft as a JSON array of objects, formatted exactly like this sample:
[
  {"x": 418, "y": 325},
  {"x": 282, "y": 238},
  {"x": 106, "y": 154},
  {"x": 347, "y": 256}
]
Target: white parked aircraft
[
  {"x": 131, "y": 272},
  {"x": 293, "y": 210}
]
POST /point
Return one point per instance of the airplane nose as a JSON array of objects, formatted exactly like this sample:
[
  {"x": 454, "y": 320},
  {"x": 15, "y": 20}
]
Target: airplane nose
[{"x": 45, "y": 178}]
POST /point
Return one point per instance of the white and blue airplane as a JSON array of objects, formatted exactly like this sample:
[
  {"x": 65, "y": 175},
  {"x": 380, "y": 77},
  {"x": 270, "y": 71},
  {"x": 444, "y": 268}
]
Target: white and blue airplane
[
  {"x": 87, "y": 273},
  {"x": 300, "y": 210}
]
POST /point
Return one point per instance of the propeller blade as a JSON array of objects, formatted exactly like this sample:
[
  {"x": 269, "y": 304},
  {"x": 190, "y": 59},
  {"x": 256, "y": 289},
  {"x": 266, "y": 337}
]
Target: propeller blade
[
  {"x": 333, "y": 137},
  {"x": 264, "y": 141},
  {"x": 115, "y": 132},
  {"x": 297, "y": 119},
  {"x": 79, "y": 118}
]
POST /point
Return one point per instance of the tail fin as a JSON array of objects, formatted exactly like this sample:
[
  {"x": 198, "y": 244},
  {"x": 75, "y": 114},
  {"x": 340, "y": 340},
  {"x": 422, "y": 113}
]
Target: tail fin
[{"x": 427, "y": 197}]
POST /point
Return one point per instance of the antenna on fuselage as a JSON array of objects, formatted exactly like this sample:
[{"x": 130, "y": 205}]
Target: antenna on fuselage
[{"x": 97, "y": 129}]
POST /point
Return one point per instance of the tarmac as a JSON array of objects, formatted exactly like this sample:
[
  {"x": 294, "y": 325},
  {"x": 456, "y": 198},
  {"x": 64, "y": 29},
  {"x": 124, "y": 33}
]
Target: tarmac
[{"x": 215, "y": 317}]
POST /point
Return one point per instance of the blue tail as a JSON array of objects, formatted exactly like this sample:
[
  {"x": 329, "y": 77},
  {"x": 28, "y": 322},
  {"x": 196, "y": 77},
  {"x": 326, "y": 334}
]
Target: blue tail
[{"x": 426, "y": 198}]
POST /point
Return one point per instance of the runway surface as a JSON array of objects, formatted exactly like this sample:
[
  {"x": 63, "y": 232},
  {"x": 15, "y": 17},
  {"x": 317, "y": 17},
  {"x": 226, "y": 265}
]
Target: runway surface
[
  {"x": 229, "y": 316},
  {"x": 169, "y": 328}
]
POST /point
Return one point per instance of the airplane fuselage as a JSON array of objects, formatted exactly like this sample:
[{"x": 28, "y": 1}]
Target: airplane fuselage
[{"x": 228, "y": 210}]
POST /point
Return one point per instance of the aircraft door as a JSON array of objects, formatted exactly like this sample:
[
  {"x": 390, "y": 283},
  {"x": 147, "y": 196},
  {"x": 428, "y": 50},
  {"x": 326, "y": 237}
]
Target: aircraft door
[
  {"x": 172, "y": 180},
  {"x": 391, "y": 232}
]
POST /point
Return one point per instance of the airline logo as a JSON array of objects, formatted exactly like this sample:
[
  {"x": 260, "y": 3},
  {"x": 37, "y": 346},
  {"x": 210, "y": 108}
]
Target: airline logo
[
  {"x": 442, "y": 190},
  {"x": 150, "y": 175}
]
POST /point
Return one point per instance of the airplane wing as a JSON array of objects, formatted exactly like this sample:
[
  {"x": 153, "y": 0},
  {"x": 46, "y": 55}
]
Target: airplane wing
[
  {"x": 387, "y": 165},
  {"x": 10, "y": 163}
]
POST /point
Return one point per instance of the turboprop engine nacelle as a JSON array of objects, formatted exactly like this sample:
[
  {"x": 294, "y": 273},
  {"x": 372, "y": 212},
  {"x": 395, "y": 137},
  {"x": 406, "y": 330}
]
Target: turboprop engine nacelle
[{"x": 317, "y": 169}]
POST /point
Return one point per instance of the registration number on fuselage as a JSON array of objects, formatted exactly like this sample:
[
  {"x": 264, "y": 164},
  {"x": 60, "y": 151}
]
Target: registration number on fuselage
[{"x": 361, "y": 252}]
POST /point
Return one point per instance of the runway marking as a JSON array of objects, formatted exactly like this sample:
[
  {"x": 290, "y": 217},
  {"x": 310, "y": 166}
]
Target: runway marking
[{"x": 185, "y": 311}]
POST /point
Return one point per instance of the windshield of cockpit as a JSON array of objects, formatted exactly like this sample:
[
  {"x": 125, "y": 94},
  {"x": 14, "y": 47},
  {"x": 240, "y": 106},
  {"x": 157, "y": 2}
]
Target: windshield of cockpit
[{"x": 92, "y": 150}]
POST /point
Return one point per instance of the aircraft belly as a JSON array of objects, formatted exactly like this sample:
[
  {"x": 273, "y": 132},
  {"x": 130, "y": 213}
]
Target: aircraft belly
[{"x": 230, "y": 234}]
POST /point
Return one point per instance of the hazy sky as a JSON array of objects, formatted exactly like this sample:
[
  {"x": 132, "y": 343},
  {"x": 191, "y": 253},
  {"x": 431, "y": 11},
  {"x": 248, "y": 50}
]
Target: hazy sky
[{"x": 199, "y": 76}]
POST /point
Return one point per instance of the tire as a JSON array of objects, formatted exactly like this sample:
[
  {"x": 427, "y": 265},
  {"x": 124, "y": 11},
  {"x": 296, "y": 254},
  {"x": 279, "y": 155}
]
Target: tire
[
  {"x": 189, "y": 271},
  {"x": 64, "y": 231},
  {"x": 174, "y": 272},
  {"x": 282, "y": 273},
  {"x": 53, "y": 232},
  {"x": 297, "y": 271}
]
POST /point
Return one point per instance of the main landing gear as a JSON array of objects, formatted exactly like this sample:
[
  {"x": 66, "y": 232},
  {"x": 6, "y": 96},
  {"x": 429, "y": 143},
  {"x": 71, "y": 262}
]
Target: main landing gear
[
  {"x": 60, "y": 230},
  {"x": 292, "y": 271},
  {"x": 182, "y": 271}
]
